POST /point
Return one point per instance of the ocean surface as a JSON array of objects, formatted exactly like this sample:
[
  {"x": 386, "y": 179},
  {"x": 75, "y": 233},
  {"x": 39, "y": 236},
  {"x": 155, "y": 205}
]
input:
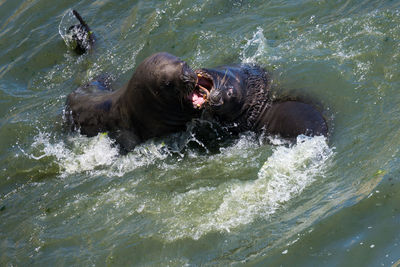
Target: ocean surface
[{"x": 70, "y": 200}]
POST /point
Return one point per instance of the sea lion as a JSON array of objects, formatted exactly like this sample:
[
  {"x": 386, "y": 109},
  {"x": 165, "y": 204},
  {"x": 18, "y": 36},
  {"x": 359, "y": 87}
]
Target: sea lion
[
  {"x": 239, "y": 99},
  {"x": 161, "y": 97}
]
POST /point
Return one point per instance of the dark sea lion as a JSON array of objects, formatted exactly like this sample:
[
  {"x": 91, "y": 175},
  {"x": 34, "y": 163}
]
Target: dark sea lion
[
  {"x": 240, "y": 100},
  {"x": 161, "y": 97}
]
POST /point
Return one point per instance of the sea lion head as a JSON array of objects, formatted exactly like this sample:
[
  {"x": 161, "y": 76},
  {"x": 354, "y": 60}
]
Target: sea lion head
[
  {"x": 226, "y": 92},
  {"x": 226, "y": 99},
  {"x": 170, "y": 81},
  {"x": 237, "y": 94}
]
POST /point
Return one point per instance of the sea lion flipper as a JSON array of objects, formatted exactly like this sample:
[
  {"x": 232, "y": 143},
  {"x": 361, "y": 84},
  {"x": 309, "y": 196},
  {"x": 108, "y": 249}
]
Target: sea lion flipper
[
  {"x": 82, "y": 37},
  {"x": 83, "y": 23},
  {"x": 127, "y": 139}
]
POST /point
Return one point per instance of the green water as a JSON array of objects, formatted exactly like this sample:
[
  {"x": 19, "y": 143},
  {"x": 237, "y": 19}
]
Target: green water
[{"x": 66, "y": 199}]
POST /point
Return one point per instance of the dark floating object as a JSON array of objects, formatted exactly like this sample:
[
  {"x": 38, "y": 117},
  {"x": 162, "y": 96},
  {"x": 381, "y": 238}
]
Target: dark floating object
[{"x": 81, "y": 38}]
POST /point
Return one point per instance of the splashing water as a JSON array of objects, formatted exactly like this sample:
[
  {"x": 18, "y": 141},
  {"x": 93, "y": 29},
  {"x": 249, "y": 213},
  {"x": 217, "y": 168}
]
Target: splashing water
[
  {"x": 255, "y": 48},
  {"x": 67, "y": 21},
  {"x": 196, "y": 212},
  {"x": 96, "y": 155},
  {"x": 284, "y": 176},
  {"x": 74, "y": 33},
  {"x": 86, "y": 154}
]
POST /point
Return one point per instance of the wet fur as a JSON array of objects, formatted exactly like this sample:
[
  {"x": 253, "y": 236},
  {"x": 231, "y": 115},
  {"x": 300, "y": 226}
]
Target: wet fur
[
  {"x": 152, "y": 104},
  {"x": 253, "y": 108}
]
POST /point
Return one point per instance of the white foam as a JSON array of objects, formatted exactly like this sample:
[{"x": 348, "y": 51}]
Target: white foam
[
  {"x": 222, "y": 207},
  {"x": 284, "y": 176},
  {"x": 97, "y": 155},
  {"x": 85, "y": 155}
]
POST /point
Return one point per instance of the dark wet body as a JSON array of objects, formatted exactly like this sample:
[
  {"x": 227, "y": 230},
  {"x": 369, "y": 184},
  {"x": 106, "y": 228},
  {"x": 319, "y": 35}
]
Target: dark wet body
[
  {"x": 153, "y": 103},
  {"x": 240, "y": 101},
  {"x": 164, "y": 94}
]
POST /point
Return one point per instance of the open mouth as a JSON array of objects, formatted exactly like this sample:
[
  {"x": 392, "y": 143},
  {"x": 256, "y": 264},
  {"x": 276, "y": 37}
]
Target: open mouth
[{"x": 199, "y": 96}]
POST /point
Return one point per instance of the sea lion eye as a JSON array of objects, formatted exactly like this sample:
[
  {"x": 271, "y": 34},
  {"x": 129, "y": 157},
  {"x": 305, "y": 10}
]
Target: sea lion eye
[
  {"x": 229, "y": 93},
  {"x": 169, "y": 84}
]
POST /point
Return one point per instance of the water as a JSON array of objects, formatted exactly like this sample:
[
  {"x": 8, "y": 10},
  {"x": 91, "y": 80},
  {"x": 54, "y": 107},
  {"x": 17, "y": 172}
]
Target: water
[{"x": 66, "y": 199}]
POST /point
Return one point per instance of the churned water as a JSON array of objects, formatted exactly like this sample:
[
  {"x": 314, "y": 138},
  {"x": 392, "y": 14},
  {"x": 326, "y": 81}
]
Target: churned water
[{"x": 66, "y": 199}]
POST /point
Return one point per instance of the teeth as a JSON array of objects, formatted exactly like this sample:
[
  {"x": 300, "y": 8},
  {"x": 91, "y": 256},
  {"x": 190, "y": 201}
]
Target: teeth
[{"x": 204, "y": 91}]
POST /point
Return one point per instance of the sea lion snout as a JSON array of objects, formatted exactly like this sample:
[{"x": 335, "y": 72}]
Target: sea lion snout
[
  {"x": 188, "y": 75},
  {"x": 216, "y": 98}
]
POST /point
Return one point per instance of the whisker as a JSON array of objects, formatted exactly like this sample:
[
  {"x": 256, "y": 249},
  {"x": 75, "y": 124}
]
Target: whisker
[{"x": 223, "y": 78}]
